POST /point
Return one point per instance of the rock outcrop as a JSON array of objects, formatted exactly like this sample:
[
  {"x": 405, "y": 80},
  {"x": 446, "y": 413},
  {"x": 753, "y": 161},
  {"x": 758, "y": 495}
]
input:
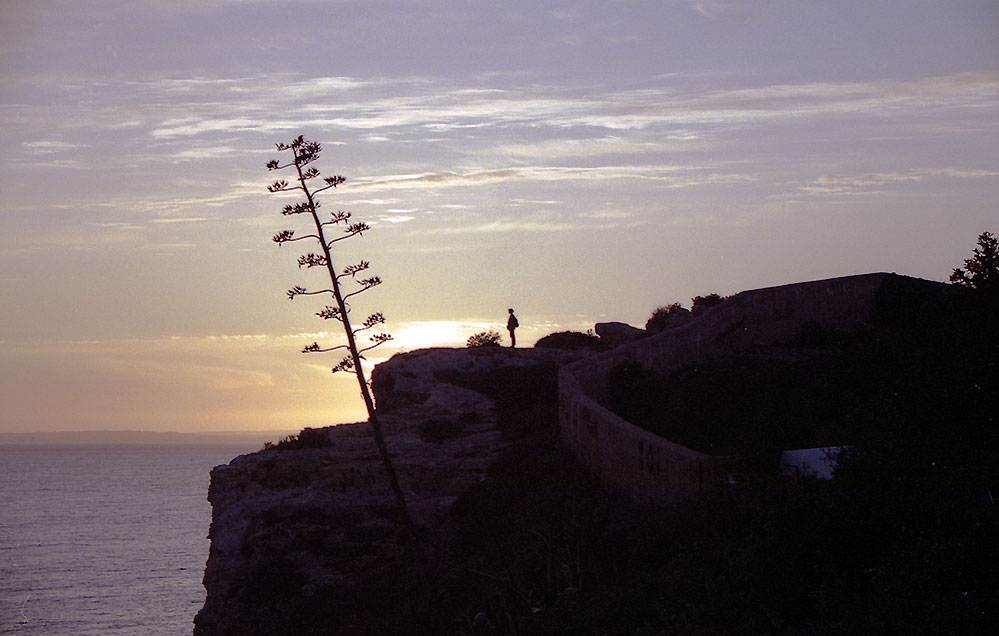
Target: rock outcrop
[
  {"x": 618, "y": 333},
  {"x": 304, "y": 533}
]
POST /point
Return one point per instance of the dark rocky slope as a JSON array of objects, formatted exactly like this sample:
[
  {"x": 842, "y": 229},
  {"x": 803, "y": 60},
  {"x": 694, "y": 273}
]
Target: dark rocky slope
[
  {"x": 522, "y": 541},
  {"x": 304, "y": 534}
]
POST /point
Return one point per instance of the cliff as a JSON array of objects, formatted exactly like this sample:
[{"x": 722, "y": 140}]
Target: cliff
[
  {"x": 304, "y": 533},
  {"x": 523, "y": 540}
]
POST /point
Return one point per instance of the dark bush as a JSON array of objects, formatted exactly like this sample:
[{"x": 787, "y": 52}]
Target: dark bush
[
  {"x": 484, "y": 339},
  {"x": 306, "y": 438},
  {"x": 700, "y": 303},
  {"x": 667, "y": 317},
  {"x": 569, "y": 340}
]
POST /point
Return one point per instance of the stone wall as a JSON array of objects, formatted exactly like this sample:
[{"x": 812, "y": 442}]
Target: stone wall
[
  {"x": 650, "y": 468},
  {"x": 654, "y": 469}
]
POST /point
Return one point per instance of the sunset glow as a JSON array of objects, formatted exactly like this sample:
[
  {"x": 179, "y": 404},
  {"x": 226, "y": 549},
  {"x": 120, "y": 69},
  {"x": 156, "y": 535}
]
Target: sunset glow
[{"x": 581, "y": 163}]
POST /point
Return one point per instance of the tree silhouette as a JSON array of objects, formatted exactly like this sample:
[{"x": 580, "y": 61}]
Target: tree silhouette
[
  {"x": 344, "y": 284},
  {"x": 981, "y": 271}
]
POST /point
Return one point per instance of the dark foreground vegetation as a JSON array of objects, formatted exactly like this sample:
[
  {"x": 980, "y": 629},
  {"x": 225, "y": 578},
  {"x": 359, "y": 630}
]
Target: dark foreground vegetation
[{"x": 903, "y": 541}]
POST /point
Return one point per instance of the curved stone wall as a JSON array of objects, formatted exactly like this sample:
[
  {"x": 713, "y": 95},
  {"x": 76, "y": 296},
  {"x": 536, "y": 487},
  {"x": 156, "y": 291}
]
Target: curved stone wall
[{"x": 653, "y": 469}]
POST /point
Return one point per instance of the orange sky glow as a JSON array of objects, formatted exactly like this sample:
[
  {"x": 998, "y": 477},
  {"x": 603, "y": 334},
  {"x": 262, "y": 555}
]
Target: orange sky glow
[{"x": 580, "y": 162}]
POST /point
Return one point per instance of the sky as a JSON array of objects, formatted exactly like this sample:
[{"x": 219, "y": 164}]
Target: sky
[{"x": 578, "y": 161}]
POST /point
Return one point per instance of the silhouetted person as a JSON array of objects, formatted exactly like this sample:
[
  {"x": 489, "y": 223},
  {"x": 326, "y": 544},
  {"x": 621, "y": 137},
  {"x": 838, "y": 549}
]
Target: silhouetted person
[{"x": 511, "y": 325}]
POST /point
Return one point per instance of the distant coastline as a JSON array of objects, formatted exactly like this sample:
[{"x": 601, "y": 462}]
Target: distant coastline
[{"x": 141, "y": 438}]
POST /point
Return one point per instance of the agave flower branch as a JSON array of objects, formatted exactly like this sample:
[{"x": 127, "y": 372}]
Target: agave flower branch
[{"x": 303, "y": 153}]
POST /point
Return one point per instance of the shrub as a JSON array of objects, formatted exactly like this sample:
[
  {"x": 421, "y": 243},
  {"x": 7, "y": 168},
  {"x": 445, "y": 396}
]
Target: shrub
[
  {"x": 569, "y": 340},
  {"x": 307, "y": 438},
  {"x": 667, "y": 317},
  {"x": 484, "y": 339},
  {"x": 700, "y": 303}
]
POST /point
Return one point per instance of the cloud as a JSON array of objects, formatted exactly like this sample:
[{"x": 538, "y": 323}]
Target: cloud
[
  {"x": 870, "y": 182},
  {"x": 877, "y": 98},
  {"x": 432, "y": 180},
  {"x": 553, "y": 149},
  {"x": 198, "y": 126},
  {"x": 49, "y": 147},
  {"x": 852, "y": 183},
  {"x": 724, "y": 9},
  {"x": 164, "y": 207},
  {"x": 542, "y": 221},
  {"x": 667, "y": 175},
  {"x": 59, "y": 164},
  {"x": 396, "y": 219},
  {"x": 665, "y": 135},
  {"x": 420, "y": 111},
  {"x": 207, "y": 152}
]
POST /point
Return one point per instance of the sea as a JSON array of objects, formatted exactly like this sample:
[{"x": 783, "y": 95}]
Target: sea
[{"x": 105, "y": 540}]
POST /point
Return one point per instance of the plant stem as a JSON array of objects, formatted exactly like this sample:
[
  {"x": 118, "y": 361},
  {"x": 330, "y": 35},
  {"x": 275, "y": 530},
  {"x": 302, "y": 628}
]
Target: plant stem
[{"x": 369, "y": 404}]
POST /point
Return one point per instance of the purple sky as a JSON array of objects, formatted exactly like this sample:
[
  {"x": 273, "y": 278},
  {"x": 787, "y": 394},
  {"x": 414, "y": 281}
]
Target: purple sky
[{"x": 580, "y": 161}]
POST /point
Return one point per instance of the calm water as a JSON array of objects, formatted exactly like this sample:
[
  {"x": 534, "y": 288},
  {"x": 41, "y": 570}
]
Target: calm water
[{"x": 104, "y": 540}]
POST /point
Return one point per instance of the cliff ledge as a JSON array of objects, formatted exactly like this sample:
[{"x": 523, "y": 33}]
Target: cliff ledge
[{"x": 304, "y": 531}]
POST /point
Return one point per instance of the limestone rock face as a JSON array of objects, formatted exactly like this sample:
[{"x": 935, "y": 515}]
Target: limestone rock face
[
  {"x": 617, "y": 333},
  {"x": 305, "y": 531}
]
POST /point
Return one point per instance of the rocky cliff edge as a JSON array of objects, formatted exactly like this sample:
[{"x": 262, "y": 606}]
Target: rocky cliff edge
[{"x": 305, "y": 529}]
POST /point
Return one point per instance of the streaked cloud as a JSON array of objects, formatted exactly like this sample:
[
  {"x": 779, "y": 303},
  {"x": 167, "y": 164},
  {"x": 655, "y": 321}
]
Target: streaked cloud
[
  {"x": 190, "y": 219},
  {"x": 618, "y": 111},
  {"x": 49, "y": 147},
  {"x": 210, "y": 152},
  {"x": 396, "y": 219},
  {"x": 498, "y": 226},
  {"x": 870, "y": 182},
  {"x": 670, "y": 176},
  {"x": 244, "y": 105}
]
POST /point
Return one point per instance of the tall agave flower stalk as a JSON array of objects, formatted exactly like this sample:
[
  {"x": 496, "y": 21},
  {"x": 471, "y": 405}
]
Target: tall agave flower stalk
[{"x": 344, "y": 284}]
